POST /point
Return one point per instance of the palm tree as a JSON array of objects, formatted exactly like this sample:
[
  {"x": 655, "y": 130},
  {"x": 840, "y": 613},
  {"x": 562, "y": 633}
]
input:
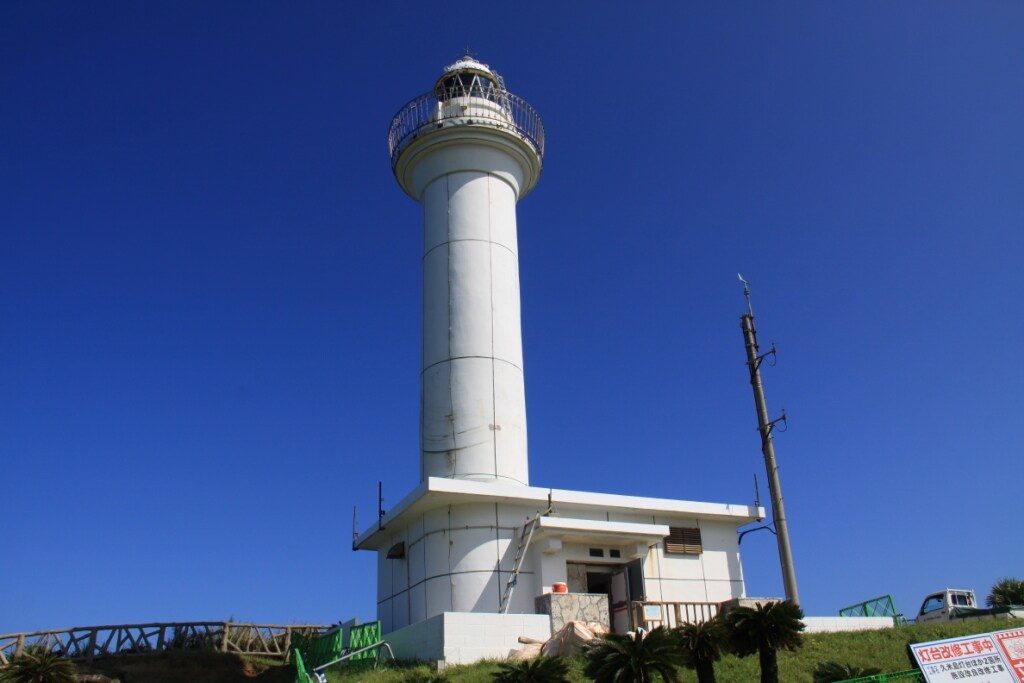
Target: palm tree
[
  {"x": 634, "y": 658},
  {"x": 701, "y": 646},
  {"x": 764, "y": 630},
  {"x": 37, "y": 665},
  {"x": 536, "y": 670},
  {"x": 1006, "y": 592}
]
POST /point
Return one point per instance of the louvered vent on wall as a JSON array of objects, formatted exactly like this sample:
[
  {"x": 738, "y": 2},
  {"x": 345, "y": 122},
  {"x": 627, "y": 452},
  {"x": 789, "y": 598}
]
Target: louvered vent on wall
[{"x": 683, "y": 540}]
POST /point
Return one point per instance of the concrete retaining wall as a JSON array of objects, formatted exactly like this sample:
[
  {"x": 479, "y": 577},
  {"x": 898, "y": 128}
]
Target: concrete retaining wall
[
  {"x": 466, "y": 637},
  {"x": 834, "y": 624}
]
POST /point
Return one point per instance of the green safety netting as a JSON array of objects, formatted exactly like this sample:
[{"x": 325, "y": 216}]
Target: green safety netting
[
  {"x": 318, "y": 650},
  {"x": 882, "y": 606},
  {"x": 310, "y": 653},
  {"x": 364, "y": 636}
]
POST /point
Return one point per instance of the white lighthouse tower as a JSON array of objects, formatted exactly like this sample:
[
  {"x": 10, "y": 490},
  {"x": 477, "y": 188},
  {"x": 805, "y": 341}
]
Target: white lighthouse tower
[
  {"x": 471, "y": 558},
  {"x": 468, "y": 151}
]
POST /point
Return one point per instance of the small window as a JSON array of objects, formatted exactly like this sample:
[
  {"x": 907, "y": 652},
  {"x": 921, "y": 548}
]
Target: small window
[
  {"x": 962, "y": 599},
  {"x": 597, "y": 552},
  {"x": 684, "y": 540},
  {"x": 614, "y": 552}
]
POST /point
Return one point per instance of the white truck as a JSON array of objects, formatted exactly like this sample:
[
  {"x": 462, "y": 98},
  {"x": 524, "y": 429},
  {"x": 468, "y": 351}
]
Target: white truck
[{"x": 956, "y": 603}]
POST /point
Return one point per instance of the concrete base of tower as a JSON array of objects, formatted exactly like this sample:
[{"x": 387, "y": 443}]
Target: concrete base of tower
[{"x": 465, "y": 637}]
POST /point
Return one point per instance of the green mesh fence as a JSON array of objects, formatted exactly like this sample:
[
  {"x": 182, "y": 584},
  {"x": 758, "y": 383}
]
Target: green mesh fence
[
  {"x": 911, "y": 676},
  {"x": 363, "y": 636},
  {"x": 882, "y": 606},
  {"x": 318, "y": 650},
  {"x": 311, "y": 653}
]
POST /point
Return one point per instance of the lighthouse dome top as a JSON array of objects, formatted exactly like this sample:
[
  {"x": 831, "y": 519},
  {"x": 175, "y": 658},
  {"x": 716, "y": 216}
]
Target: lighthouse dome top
[
  {"x": 468, "y": 77},
  {"x": 467, "y": 63}
]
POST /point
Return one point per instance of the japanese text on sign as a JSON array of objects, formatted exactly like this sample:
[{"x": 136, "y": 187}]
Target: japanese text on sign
[{"x": 983, "y": 658}]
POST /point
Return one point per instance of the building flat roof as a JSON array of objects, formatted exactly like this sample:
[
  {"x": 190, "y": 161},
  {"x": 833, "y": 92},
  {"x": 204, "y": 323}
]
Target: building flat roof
[{"x": 437, "y": 492}]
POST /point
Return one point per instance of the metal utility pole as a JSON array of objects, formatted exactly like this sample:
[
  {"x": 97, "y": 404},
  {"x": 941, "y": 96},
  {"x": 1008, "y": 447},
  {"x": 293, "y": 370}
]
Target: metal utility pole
[{"x": 765, "y": 427}]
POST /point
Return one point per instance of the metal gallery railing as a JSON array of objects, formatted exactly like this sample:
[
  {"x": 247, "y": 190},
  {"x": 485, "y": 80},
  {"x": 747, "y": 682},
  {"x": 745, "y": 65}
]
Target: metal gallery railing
[
  {"x": 89, "y": 642},
  {"x": 496, "y": 108}
]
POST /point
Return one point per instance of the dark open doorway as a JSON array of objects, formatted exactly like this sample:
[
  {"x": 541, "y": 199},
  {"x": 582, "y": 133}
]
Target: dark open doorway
[
  {"x": 622, "y": 583},
  {"x": 599, "y": 582}
]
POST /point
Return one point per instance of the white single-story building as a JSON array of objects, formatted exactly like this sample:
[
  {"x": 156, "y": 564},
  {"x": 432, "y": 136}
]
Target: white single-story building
[{"x": 451, "y": 544}]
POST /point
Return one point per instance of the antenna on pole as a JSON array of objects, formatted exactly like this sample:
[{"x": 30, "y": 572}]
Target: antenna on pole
[
  {"x": 746, "y": 293},
  {"x": 766, "y": 427},
  {"x": 380, "y": 505}
]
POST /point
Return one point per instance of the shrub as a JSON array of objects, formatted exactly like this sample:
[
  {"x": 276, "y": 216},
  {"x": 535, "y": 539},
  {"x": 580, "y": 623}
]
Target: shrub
[
  {"x": 831, "y": 672},
  {"x": 37, "y": 665},
  {"x": 766, "y": 629},
  {"x": 423, "y": 674},
  {"x": 1006, "y": 592},
  {"x": 634, "y": 658},
  {"x": 536, "y": 670}
]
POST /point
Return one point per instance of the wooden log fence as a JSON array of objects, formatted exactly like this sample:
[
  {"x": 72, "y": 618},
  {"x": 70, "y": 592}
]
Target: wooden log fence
[{"x": 90, "y": 642}]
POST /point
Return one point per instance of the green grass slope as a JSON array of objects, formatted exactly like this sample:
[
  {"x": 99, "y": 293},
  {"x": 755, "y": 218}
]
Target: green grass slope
[{"x": 884, "y": 649}]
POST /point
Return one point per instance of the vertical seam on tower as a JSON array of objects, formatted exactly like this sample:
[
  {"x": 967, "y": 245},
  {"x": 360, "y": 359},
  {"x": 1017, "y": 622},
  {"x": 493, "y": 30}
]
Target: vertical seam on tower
[
  {"x": 451, "y": 577},
  {"x": 423, "y": 538},
  {"x": 423, "y": 324},
  {"x": 451, "y": 364},
  {"x": 497, "y": 552},
  {"x": 494, "y": 401},
  {"x": 423, "y": 336},
  {"x": 408, "y": 581}
]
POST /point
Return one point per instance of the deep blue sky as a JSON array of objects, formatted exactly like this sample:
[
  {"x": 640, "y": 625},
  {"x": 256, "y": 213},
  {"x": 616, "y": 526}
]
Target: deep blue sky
[{"x": 210, "y": 287}]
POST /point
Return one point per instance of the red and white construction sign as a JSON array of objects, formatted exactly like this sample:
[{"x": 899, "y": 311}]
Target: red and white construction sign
[
  {"x": 983, "y": 658},
  {"x": 1011, "y": 646}
]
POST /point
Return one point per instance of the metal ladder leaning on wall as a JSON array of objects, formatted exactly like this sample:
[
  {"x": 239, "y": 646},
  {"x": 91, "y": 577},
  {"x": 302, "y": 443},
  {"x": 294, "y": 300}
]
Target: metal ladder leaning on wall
[{"x": 524, "y": 544}]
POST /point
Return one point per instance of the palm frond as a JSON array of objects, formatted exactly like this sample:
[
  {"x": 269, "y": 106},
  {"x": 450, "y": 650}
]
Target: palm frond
[
  {"x": 37, "y": 665},
  {"x": 1006, "y": 592},
  {"x": 634, "y": 658},
  {"x": 536, "y": 670}
]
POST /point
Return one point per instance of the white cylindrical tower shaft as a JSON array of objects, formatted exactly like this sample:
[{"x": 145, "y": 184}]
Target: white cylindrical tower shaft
[
  {"x": 473, "y": 419},
  {"x": 468, "y": 162}
]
